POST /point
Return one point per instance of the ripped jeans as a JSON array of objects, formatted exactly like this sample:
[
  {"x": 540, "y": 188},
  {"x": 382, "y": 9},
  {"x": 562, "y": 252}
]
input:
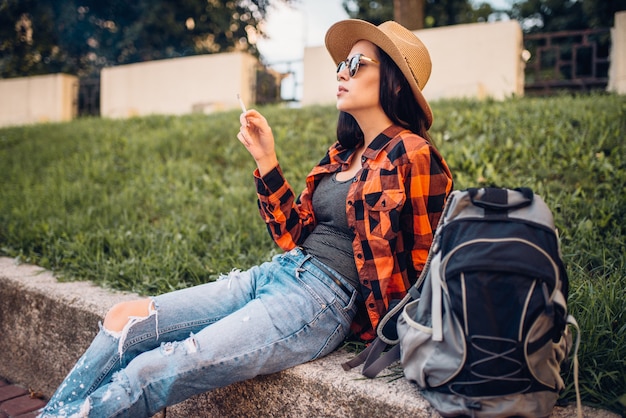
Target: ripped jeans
[{"x": 272, "y": 317}]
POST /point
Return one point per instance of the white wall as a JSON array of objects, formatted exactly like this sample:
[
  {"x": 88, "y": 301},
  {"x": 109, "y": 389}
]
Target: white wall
[
  {"x": 617, "y": 70},
  {"x": 474, "y": 60},
  {"x": 203, "y": 83},
  {"x": 44, "y": 98}
]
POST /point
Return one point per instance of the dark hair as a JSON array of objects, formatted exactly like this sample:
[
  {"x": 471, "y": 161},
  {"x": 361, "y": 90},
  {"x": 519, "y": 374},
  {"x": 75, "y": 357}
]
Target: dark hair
[{"x": 397, "y": 101}]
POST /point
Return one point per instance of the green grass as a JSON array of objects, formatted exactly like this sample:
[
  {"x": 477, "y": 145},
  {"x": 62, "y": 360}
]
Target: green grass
[{"x": 160, "y": 203}]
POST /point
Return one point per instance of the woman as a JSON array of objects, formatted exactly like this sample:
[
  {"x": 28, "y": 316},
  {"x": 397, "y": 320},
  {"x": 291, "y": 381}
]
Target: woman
[{"x": 354, "y": 240}]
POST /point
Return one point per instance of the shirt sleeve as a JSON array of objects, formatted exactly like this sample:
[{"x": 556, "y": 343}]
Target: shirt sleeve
[{"x": 289, "y": 219}]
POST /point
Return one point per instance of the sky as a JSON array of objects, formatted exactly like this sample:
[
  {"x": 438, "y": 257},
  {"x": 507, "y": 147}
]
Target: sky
[{"x": 291, "y": 28}]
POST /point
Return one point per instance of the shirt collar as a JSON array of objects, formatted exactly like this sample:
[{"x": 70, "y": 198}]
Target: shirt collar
[
  {"x": 379, "y": 143},
  {"x": 339, "y": 155}
]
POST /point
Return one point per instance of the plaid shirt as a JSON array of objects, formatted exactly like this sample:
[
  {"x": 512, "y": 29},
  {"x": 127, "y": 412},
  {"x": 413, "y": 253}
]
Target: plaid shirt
[{"x": 393, "y": 206}]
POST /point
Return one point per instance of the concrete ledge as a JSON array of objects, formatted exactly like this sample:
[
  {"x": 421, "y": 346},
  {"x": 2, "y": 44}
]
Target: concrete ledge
[{"x": 45, "y": 326}]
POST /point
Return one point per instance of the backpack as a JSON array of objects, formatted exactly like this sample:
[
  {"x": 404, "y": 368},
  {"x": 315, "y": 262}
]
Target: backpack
[{"x": 483, "y": 332}]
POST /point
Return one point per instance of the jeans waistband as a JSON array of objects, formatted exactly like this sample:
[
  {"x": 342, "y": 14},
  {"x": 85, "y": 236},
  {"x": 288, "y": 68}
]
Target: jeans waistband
[{"x": 326, "y": 271}]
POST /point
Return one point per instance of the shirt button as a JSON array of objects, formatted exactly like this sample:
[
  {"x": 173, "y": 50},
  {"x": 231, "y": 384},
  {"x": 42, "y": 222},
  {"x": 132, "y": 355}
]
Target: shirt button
[
  {"x": 359, "y": 256},
  {"x": 363, "y": 159},
  {"x": 349, "y": 202},
  {"x": 371, "y": 305}
]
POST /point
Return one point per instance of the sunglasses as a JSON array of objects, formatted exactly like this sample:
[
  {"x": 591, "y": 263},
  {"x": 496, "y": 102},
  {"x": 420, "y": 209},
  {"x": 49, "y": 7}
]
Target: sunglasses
[{"x": 353, "y": 63}]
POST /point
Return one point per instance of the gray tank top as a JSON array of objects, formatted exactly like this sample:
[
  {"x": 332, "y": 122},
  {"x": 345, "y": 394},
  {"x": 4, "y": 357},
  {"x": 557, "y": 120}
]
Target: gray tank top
[{"x": 331, "y": 240}]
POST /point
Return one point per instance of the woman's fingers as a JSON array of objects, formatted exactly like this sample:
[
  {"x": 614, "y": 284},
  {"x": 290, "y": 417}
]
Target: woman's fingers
[
  {"x": 243, "y": 119},
  {"x": 256, "y": 135},
  {"x": 244, "y": 129},
  {"x": 253, "y": 120},
  {"x": 243, "y": 138},
  {"x": 246, "y": 117}
]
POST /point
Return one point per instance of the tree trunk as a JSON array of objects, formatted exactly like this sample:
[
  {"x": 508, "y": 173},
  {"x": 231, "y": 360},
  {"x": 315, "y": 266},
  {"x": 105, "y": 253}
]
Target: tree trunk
[{"x": 409, "y": 13}]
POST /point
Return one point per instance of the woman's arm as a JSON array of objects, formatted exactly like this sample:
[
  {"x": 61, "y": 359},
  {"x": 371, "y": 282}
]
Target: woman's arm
[{"x": 288, "y": 219}]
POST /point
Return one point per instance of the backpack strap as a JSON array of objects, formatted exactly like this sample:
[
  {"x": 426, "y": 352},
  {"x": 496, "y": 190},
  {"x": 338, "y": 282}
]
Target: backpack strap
[
  {"x": 436, "y": 294},
  {"x": 372, "y": 360},
  {"x": 496, "y": 199}
]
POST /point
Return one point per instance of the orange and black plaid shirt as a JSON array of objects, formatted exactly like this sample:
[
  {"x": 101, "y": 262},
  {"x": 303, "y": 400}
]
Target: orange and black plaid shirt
[{"x": 393, "y": 206}]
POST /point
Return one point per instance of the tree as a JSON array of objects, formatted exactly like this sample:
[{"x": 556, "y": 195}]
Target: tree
[
  {"x": 559, "y": 15},
  {"x": 82, "y": 36},
  {"x": 434, "y": 13},
  {"x": 454, "y": 12},
  {"x": 409, "y": 13},
  {"x": 373, "y": 11}
]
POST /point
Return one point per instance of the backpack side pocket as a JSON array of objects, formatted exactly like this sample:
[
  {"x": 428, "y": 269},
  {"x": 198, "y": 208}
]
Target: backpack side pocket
[{"x": 427, "y": 362}]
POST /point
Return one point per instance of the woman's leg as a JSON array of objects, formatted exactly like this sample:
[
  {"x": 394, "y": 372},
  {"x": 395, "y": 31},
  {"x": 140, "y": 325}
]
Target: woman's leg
[
  {"x": 139, "y": 326},
  {"x": 287, "y": 321}
]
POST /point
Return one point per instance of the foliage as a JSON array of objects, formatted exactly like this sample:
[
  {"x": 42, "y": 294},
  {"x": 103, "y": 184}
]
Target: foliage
[
  {"x": 453, "y": 12},
  {"x": 559, "y": 15},
  {"x": 160, "y": 203},
  {"x": 534, "y": 15},
  {"x": 436, "y": 13},
  {"x": 375, "y": 12},
  {"x": 82, "y": 36}
]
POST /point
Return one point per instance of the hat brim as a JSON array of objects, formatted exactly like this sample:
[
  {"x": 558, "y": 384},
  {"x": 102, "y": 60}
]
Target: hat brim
[{"x": 341, "y": 37}]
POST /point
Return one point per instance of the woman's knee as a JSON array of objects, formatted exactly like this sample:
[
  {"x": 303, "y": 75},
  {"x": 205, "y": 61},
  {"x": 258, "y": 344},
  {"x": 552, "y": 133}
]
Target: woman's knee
[{"x": 117, "y": 317}]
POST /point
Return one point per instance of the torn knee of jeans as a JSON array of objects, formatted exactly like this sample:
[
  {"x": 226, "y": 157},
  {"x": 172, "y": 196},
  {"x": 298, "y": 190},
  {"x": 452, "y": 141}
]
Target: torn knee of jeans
[
  {"x": 121, "y": 379},
  {"x": 132, "y": 320},
  {"x": 115, "y": 334},
  {"x": 190, "y": 345}
]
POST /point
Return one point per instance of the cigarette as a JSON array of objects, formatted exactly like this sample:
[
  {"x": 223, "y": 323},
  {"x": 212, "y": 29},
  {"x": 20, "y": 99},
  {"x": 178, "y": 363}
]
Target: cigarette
[{"x": 243, "y": 106}]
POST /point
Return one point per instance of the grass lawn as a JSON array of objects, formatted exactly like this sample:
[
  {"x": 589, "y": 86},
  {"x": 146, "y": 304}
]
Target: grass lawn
[{"x": 160, "y": 203}]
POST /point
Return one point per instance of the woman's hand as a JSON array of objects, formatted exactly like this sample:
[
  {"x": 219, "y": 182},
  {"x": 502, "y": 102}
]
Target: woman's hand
[{"x": 256, "y": 135}]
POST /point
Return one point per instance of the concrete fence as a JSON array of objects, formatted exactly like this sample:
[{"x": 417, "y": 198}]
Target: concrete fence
[
  {"x": 201, "y": 83},
  {"x": 44, "y": 98},
  {"x": 480, "y": 60}
]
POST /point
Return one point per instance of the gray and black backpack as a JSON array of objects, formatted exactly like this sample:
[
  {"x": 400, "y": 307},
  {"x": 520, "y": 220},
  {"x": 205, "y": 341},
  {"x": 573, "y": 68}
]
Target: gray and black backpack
[{"x": 483, "y": 332}]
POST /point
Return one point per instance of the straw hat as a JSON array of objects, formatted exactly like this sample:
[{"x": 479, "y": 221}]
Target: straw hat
[{"x": 404, "y": 48}]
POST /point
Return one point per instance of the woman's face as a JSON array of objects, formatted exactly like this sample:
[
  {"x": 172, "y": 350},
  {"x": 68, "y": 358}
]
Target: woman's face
[{"x": 360, "y": 94}]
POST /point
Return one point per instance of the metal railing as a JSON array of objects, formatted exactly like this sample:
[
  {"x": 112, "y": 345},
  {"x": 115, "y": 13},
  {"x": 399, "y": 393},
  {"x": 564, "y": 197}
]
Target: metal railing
[
  {"x": 567, "y": 60},
  {"x": 288, "y": 76},
  {"x": 89, "y": 97}
]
